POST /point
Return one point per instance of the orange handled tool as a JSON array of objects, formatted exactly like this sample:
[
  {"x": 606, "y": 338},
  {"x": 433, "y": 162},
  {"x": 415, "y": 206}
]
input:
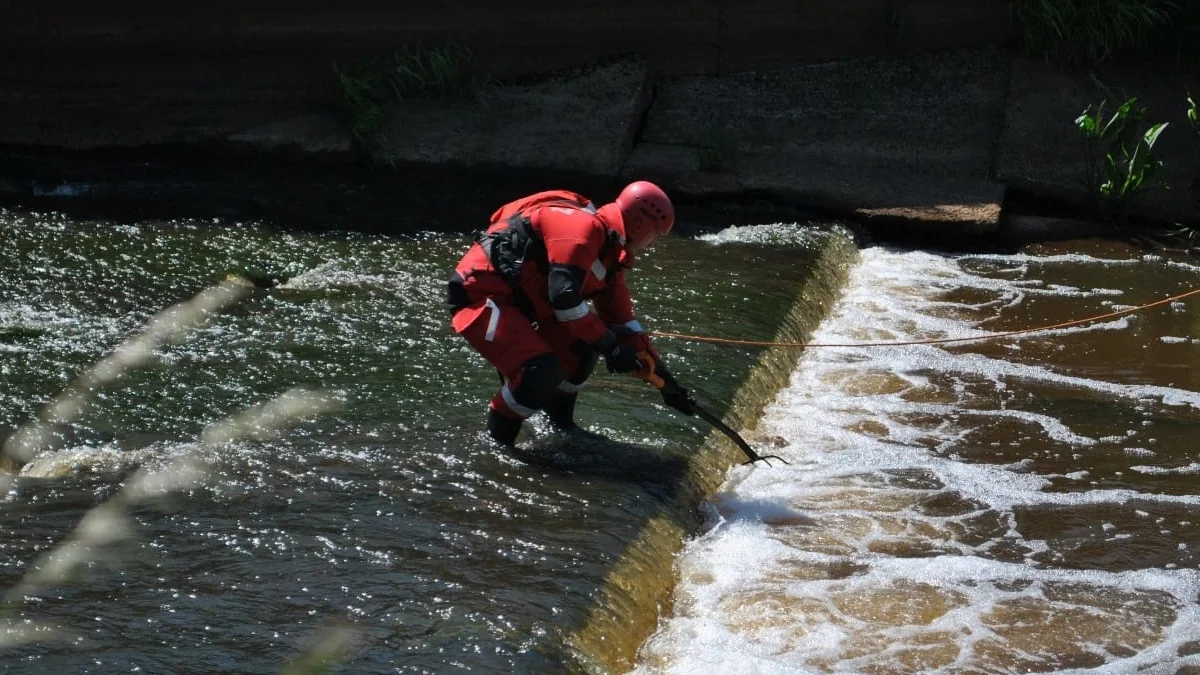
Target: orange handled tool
[{"x": 646, "y": 372}]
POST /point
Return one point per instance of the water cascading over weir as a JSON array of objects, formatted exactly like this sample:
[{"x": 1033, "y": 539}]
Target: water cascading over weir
[{"x": 637, "y": 589}]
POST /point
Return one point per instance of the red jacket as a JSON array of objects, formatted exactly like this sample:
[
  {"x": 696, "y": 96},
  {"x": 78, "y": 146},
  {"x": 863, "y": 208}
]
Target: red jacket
[{"x": 575, "y": 254}]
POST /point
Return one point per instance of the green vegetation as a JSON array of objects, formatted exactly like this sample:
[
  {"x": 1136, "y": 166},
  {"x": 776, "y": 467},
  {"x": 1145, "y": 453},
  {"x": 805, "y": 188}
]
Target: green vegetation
[
  {"x": 364, "y": 87},
  {"x": 1121, "y": 166},
  {"x": 1086, "y": 33},
  {"x": 439, "y": 72},
  {"x": 370, "y": 85},
  {"x": 1121, "y": 161}
]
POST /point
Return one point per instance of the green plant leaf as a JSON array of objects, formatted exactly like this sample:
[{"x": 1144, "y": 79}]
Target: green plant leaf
[
  {"x": 1152, "y": 134},
  {"x": 1086, "y": 123}
]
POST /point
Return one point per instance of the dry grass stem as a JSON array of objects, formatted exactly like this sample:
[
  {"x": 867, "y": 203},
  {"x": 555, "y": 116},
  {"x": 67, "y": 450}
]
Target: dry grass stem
[
  {"x": 109, "y": 525},
  {"x": 168, "y": 326}
]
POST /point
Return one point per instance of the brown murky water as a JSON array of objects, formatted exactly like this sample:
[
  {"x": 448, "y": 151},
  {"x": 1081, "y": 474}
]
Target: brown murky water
[{"x": 1025, "y": 504}]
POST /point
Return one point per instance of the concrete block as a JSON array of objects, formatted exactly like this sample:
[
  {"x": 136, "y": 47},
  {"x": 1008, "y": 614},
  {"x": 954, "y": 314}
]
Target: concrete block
[
  {"x": 677, "y": 169},
  {"x": 908, "y": 140},
  {"x": 582, "y": 120},
  {"x": 933, "y": 114},
  {"x": 953, "y": 205}
]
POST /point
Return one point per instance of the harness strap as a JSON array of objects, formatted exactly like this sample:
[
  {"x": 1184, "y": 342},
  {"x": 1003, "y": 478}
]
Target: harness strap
[
  {"x": 520, "y": 297},
  {"x": 510, "y": 248}
]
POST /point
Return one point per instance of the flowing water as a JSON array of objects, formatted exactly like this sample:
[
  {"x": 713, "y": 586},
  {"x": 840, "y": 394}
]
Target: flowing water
[
  {"x": 390, "y": 521},
  {"x": 1026, "y": 504},
  {"x": 1017, "y": 505}
]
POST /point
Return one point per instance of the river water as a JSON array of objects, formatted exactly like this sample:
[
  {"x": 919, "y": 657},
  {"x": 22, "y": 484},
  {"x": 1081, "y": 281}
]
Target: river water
[
  {"x": 390, "y": 521},
  {"x": 1025, "y": 504},
  {"x": 1018, "y": 505}
]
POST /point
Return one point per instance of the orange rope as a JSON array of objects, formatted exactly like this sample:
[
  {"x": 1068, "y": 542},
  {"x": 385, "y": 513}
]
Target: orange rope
[{"x": 993, "y": 336}]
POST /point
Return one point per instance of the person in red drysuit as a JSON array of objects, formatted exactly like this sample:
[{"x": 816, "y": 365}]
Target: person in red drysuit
[{"x": 520, "y": 297}]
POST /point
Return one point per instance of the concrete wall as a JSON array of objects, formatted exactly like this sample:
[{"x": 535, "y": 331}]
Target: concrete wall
[
  {"x": 81, "y": 73},
  {"x": 290, "y": 44}
]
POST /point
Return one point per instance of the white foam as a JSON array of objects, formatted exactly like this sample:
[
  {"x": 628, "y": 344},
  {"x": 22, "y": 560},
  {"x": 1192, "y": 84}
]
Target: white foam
[
  {"x": 105, "y": 458},
  {"x": 830, "y": 564},
  {"x": 773, "y": 234}
]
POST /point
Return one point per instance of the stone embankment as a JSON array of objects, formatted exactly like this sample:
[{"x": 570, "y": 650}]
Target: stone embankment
[{"x": 940, "y": 144}]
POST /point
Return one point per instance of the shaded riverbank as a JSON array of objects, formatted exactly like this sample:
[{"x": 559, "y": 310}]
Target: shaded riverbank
[{"x": 970, "y": 147}]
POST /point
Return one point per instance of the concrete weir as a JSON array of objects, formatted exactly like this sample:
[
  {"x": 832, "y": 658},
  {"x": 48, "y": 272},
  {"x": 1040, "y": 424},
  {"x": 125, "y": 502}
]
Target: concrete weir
[{"x": 639, "y": 587}]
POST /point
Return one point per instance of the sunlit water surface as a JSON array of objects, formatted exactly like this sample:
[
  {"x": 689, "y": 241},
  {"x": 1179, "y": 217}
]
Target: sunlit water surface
[{"x": 391, "y": 520}]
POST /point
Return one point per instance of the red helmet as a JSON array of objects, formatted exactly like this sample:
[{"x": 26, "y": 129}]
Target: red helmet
[{"x": 647, "y": 213}]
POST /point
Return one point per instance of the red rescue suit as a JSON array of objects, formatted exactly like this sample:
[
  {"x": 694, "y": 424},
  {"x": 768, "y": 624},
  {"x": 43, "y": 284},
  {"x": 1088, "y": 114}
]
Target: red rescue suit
[{"x": 520, "y": 296}]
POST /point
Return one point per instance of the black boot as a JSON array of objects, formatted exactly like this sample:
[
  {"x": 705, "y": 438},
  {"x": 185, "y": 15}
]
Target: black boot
[
  {"x": 561, "y": 411},
  {"x": 501, "y": 428}
]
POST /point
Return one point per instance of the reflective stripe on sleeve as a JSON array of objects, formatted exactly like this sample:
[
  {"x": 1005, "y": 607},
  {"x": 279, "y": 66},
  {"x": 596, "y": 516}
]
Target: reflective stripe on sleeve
[
  {"x": 513, "y": 405},
  {"x": 634, "y": 326},
  {"x": 577, "y": 312},
  {"x": 490, "y": 335},
  {"x": 599, "y": 270}
]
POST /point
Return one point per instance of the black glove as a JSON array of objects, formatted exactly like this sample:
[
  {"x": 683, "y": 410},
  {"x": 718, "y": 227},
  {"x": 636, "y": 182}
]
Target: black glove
[
  {"x": 676, "y": 396},
  {"x": 621, "y": 360}
]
